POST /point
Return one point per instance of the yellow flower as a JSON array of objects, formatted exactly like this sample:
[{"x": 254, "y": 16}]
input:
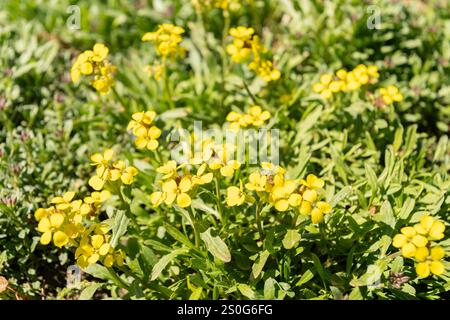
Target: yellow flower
[
  {"x": 146, "y": 133},
  {"x": 235, "y": 195},
  {"x": 280, "y": 195},
  {"x": 390, "y": 95},
  {"x": 408, "y": 240},
  {"x": 171, "y": 192},
  {"x": 50, "y": 228},
  {"x": 201, "y": 177},
  {"x": 323, "y": 87},
  {"x": 317, "y": 214},
  {"x": 313, "y": 182},
  {"x": 63, "y": 203},
  {"x": 91, "y": 249},
  {"x": 257, "y": 182},
  {"x": 140, "y": 122},
  {"x": 94, "y": 63},
  {"x": 245, "y": 45},
  {"x": 431, "y": 228},
  {"x": 148, "y": 139},
  {"x": 259, "y": 116},
  {"x": 169, "y": 169},
  {"x": 429, "y": 261},
  {"x": 167, "y": 39}
]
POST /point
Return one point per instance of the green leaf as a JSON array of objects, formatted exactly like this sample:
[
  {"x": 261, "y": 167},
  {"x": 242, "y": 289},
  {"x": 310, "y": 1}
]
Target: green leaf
[
  {"x": 216, "y": 246},
  {"x": 259, "y": 263},
  {"x": 246, "y": 290},
  {"x": 386, "y": 214},
  {"x": 398, "y": 139},
  {"x": 371, "y": 178},
  {"x": 164, "y": 261},
  {"x": 291, "y": 239},
  {"x": 269, "y": 289},
  {"x": 307, "y": 276},
  {"x": 179, "y": 236},
  {"x": 89, "y": 291},
  {"x": 341, "y": 195},
  {"x": 408, "y": 207},
  {"x": 196, "y": 293},
  {"x": 319, "y": 268},
  {"x": 119, "y": 227}
]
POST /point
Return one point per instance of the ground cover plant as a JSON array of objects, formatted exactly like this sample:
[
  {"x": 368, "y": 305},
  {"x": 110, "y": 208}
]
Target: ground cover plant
[{"x": 212, "y": 149}]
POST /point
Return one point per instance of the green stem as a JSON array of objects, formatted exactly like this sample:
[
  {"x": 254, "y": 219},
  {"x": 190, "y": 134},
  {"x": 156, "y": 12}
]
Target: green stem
[
  {"x": 194, "y": 226},
  {"x": 218, "y": 198},
  {"x": 259, "y": 222},
  {"x": 167, "y": 90}
]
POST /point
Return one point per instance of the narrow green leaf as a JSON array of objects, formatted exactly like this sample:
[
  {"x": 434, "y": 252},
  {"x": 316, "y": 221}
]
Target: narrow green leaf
[
  {"x": 291, "y": 239},
  {"x": 216, "y": 246},
  {"x": 89, "y": 291},
  {"x": 259, "y": 263},
  {"x": 164, "y": 261}
]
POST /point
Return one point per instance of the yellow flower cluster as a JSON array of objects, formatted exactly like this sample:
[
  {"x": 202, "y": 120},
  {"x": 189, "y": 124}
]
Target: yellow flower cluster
[
  {"x": 179, "y": 187},
  {"x": 94, "y": 63},
  {"x": 167, "y": 39},
  {"x": 390, "y": 95},
  {"x": 418, "y": 242},
  {"x": 271, "y": 186},
  {"x": 94, "y": 246},
  {"x": 144, "y": 130},
  {"x": 247, "y": 45},
  {"x": 64, "y": 224},
  {"x": 255, "y": 117},
  {"x": 345, "y": 81},
  {"x": 107, "y": 170}
]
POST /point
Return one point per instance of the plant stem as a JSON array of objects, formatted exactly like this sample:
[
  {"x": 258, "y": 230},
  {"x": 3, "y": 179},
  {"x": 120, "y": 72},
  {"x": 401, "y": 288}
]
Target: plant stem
[
  {"x": 259, "y": 222},
  {"x": 194, "y": 226},
  {"x": 218, "y": 199}
]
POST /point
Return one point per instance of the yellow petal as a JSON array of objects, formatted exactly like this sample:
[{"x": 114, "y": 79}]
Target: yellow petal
[
  {"x": 316, "y": 216},
  {"x": 60, "y": 239},
  {"x": 156, "y": 198},
  {"x": 96, "y": 183},
  {"x": 46, "y": 238},
  {"x": 422, "y": 253},
  {"x": 152, "y": 145},
  {"x": 310, "y": 195},
  {"x": 104, "y": 249},
  {"x": 419, "y": 241},
  {"x": 426, "y": 222},
  {"x": 115, "y": 175},
  {"x": 295, "y": 199},
  {"x": 183, "y": 200},
  {"x": 437, "y": 253},
  {"x": 305, "y": 208},
  {"x": 437, "y": 267},
  {"x": 40, "y": 213},
  {"x": 108, "y": 262},
  {"x": 44, "y": 225},
  {"x": 127, "y": 178},
  {"x": 93, "y": 258},
  {"x": 422, "y": 269},
  {"x": 227, "y": 171},
  {"x": 408, "y": 250},
  {"x": 97, "y": 240},
  {"x": 282, "y": 205},
  {"x": 185, "y": 184},
  {"x": 408, "y": 231},
  {"x": 399, "y": 240},
  {"x": 323, "y": 206},
  {"x": 56, "y": 220}
]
